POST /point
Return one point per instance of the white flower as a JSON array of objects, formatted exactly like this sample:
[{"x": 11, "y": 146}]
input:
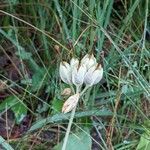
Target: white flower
[
  {"x": 88, "y": 60},
  {"x": 93, "y": 75},
  {"x": 73, "y": 62},
  {"x": 78, "y": 73},
  {"x": 70, "y": 103},
  {"x": 65, "y": 72}
]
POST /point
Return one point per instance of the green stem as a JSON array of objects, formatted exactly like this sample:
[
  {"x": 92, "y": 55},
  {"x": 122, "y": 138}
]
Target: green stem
[
  {"x": 84, "y": 90},
  {"x": 68, "y": 129},
  {"x": 72, "y": 88},
  {"x": 70, "y": 123}
]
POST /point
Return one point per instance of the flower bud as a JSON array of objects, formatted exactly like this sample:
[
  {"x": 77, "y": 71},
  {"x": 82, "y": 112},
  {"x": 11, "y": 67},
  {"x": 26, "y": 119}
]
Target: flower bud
[
  {"x": 65, "y": 72},
  {"x": 78, "y": 73},
  {"x": 70, "y": 103},
  {"x": 88, "y": 60},
  {"x": 93, "y": 75},
  {"x": 66, "y": 92},
  {"x": 73, "y": 62}
]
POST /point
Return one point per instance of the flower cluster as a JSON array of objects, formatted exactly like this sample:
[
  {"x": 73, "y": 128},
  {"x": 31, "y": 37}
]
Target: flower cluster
[{"x": 87, "y": 71}]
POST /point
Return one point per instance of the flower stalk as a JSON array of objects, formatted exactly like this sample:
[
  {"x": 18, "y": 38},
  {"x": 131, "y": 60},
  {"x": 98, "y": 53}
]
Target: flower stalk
[
  {"x": 70, "y": 123},
  {"x": 68, "y": 128},
  {"x": 88, "y": 72}
]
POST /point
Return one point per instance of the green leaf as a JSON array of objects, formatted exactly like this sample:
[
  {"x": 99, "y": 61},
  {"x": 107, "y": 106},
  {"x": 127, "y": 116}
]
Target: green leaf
[
  {"x": 57, "y": 106},
  {"x": 144, "y": 143},
  {"x": 42, "y": 108},
  {"x": 8, "y": 102},
  {"x": 20, "y": 112},
  {"x": 61, "y": 117},
  {"x": 5, "y": 144},
  {"x": 37, "y": 79},
  {"x": 81, "y": 140},
  {"x": 19, "y": 109},
  {"x": 23, "y": 54}
]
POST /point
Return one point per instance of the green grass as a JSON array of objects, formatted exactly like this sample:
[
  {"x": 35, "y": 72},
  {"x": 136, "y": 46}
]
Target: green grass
[{"x": 40, "y": 34}]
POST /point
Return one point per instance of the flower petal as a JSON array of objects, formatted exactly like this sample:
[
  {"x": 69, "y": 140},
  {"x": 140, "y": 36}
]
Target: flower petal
[
  {"x": 74, "y": 61},
  {"x": 88, "y": 79},
  {"x": 78, "y": 74},
  {"x": 88, "y": 60},
  {"x": 99, "y": 76},
  {"x": 93, "y": 75},
  {"x": 65, "y": 72}
]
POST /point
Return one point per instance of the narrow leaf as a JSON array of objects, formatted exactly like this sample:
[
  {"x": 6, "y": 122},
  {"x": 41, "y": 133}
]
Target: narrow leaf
[
  {"x": 5, "y": 144},
  {"x": 62, "y": 116}
]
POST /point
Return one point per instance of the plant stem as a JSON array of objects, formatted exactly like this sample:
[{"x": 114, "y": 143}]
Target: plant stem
[
  {"x": 84, "y": 90},
  {"x": 70, "y": 123},
  {"x": 68, "y": 129}
]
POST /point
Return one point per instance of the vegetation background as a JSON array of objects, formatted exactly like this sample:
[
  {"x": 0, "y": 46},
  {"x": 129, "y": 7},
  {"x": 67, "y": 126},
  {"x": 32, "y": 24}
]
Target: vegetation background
[{"x": 36, "y": 35}]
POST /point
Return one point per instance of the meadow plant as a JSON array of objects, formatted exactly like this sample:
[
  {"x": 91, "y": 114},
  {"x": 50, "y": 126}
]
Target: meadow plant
[{"x": 87, "y": 73}]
